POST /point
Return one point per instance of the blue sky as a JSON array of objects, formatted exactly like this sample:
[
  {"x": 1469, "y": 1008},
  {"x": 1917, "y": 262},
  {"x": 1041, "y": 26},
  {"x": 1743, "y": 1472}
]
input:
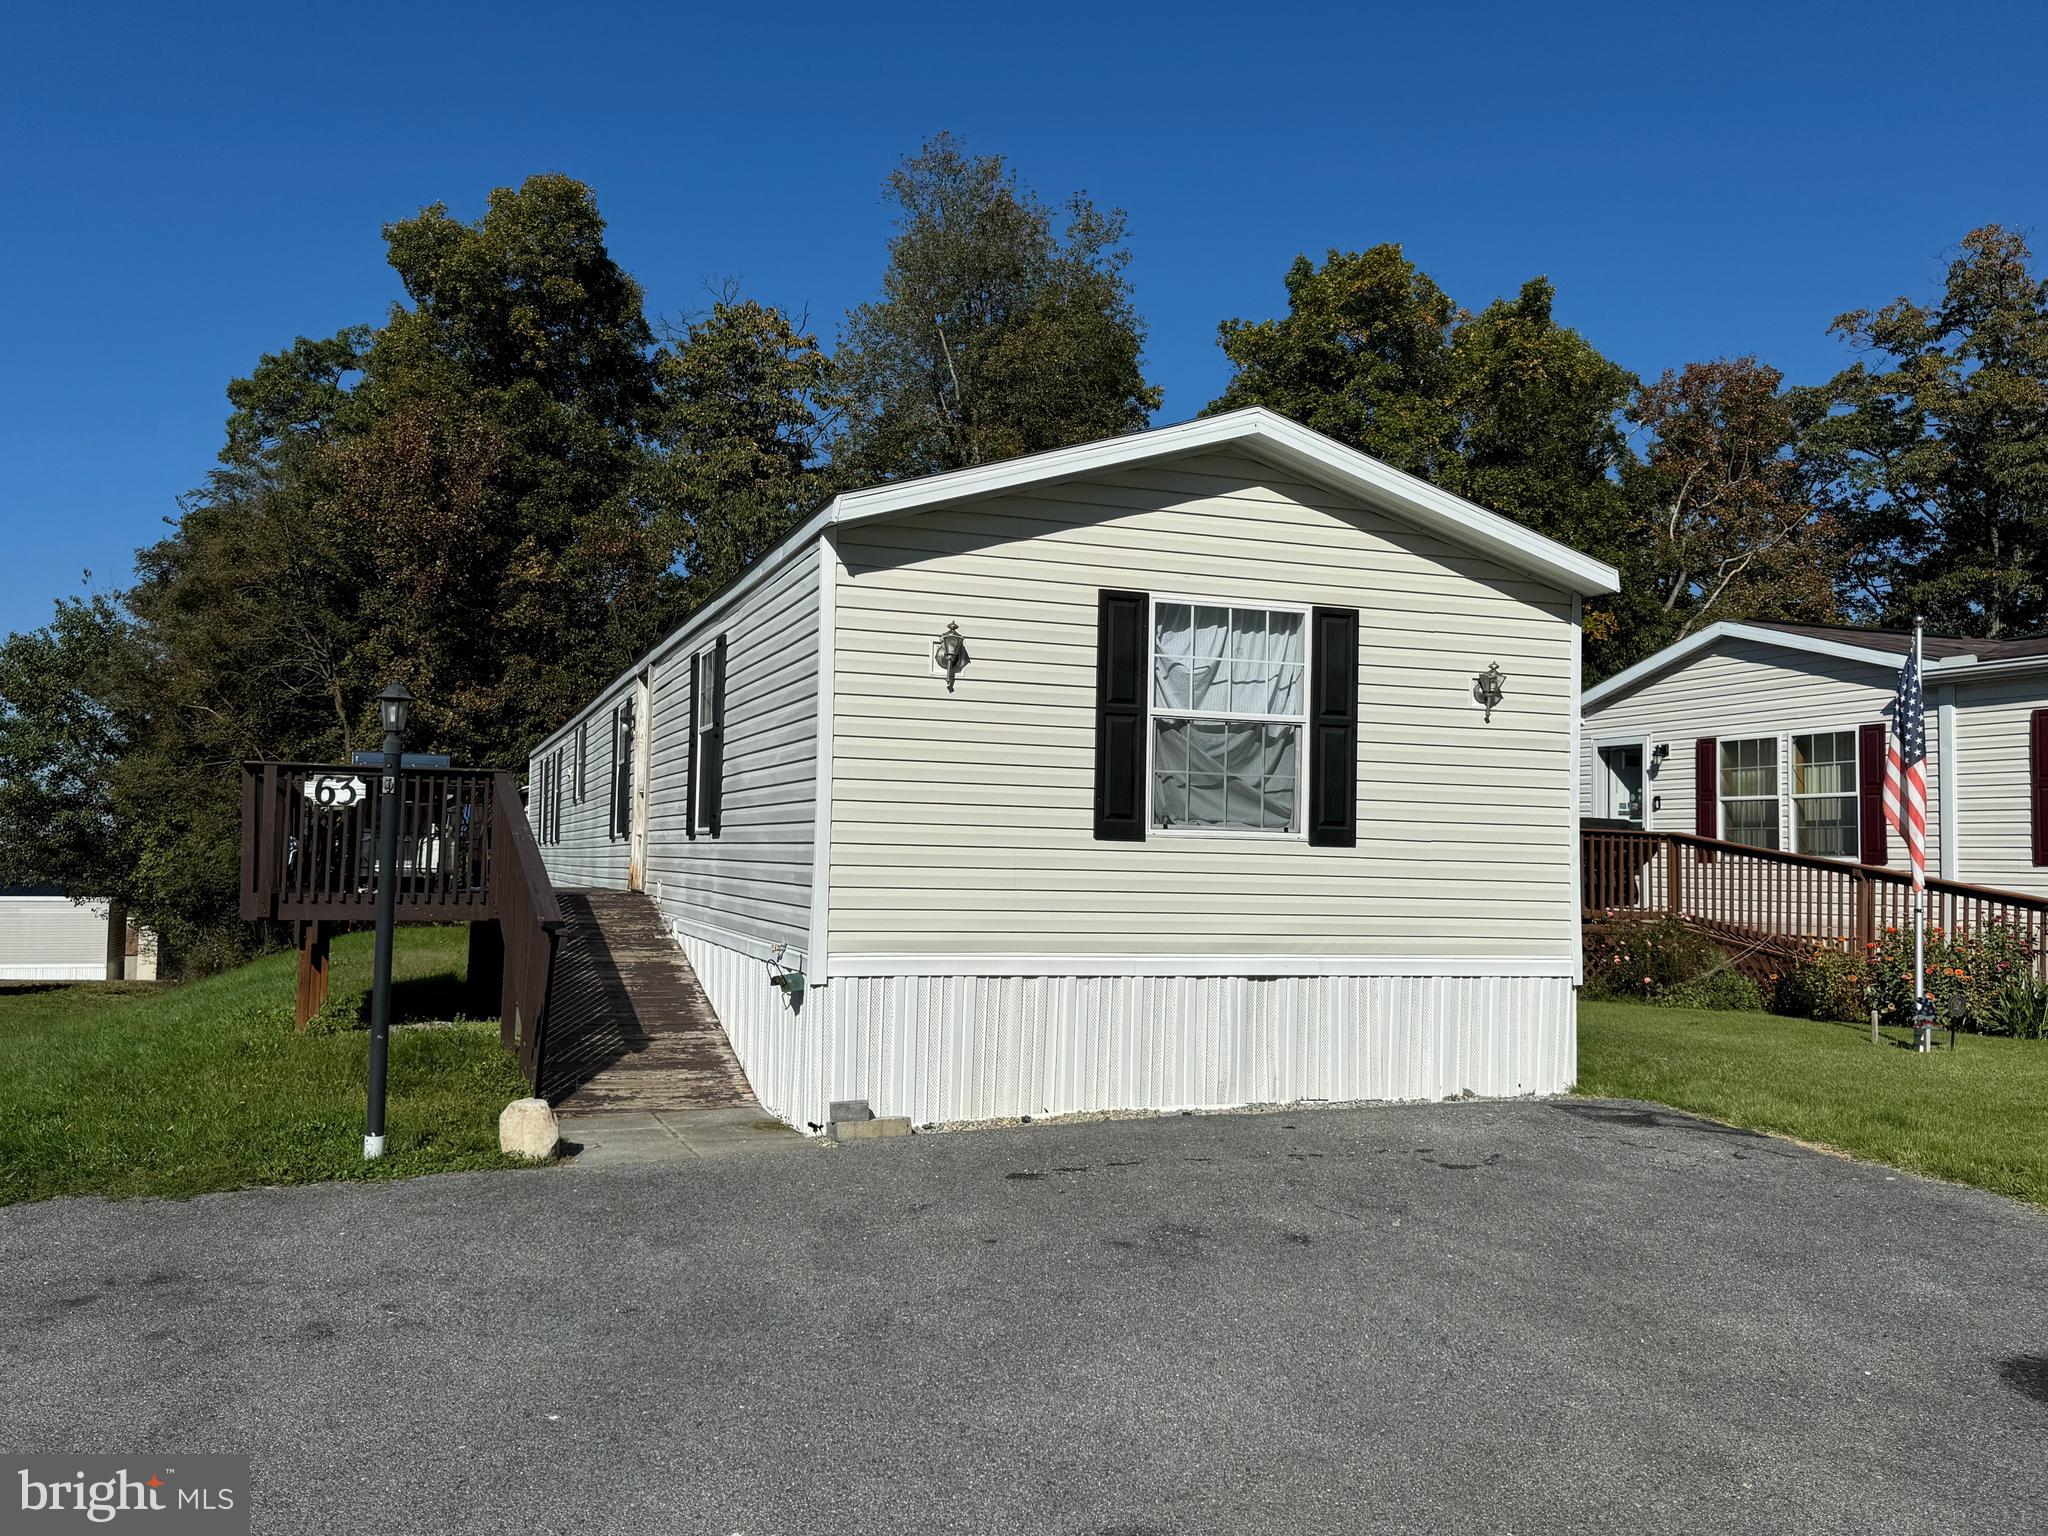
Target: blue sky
[{"x": 195, "y": 185}]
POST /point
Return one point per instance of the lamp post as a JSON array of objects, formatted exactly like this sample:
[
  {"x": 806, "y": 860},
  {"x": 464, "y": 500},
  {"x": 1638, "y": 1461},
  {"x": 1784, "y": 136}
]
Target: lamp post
[{"x": 393, "y": 704}]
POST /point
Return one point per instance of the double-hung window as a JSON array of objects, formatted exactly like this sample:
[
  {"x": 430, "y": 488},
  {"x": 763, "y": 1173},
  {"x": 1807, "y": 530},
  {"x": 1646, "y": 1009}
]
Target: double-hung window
[
  {"x": 1229, "y": 703},
  {"x": 1749, "y": 791},
  {"x": 1824, "y": 794},
  {"x": 1817, "y": 812}
]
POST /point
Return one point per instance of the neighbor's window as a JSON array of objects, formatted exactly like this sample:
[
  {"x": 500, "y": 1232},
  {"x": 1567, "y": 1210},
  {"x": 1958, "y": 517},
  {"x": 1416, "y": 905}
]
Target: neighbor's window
[
  {"x": 1229, "y": 700},
  {"x": 1749, "y": 791},
  {"x": 1824, "y": 794}
]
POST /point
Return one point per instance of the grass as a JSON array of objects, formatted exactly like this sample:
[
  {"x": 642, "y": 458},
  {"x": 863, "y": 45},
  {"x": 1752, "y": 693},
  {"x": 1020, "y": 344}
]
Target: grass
[
  {"x": 134, "y": 1089},
  {"x": 1976, "y": 1116}
]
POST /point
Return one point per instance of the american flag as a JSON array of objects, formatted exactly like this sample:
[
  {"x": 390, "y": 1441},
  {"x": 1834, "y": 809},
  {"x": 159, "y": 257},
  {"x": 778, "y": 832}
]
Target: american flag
[{"x": 1905, "y": 769}]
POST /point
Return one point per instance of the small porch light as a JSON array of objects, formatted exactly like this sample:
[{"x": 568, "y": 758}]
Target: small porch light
[
  {"x": 1489, "y": 688},
  {"x": 949, "y": 654},
  {"x": 395, "y": 705}
]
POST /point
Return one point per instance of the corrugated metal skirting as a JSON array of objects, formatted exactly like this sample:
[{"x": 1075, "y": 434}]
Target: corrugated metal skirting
[{"x": 941, "y": 1048}]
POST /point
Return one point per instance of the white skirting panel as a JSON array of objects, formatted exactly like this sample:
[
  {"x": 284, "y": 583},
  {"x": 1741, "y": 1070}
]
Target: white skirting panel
[
  {"x": 940, "y": 1048},
  {"x": 55, "y": 972}
]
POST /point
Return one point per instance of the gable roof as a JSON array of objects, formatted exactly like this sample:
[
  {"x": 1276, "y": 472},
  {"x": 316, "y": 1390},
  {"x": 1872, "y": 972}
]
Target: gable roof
[
  {"x": 1262, "y": 433},
  {"x": 1274, "y": 438},
  {"x": 1884, "y": 648}
]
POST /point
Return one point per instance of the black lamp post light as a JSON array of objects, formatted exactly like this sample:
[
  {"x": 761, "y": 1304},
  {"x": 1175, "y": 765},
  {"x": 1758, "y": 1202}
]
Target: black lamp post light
[{"x": 394, "y": 705}]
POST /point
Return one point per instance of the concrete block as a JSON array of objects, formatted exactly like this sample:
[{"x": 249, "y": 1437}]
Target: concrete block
[
  {"x": 845, "y": 1110},
  {"x": 527, "y": 1129},
  {"x": 869, "y": 1130}
]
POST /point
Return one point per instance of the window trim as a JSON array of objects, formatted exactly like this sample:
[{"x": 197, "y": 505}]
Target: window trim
[
  {"x": 1776, "y": 797},
  {"x": 703, "y": 722},
  {"x": 1300, "y": 721}
]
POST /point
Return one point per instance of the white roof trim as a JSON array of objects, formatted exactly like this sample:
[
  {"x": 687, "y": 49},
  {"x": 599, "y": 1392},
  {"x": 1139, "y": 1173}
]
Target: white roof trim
[
  {"x": 1309, "y": 453},
  {"x": 1713, "y": 634}
]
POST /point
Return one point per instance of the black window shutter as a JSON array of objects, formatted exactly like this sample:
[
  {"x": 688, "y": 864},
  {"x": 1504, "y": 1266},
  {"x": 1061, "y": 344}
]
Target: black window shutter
[
  {"x": 714, "y": 745},
  {"x": 690, "y": 775},
  {"x": 1872, "y": 744},
  {"x": 1123, "y": 625},
  {"x": 2037, "y": 780},
  {"x": 1333, "y": 730}
]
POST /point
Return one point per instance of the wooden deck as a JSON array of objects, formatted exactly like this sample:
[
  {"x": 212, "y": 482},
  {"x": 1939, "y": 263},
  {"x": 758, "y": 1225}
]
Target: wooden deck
[{"x": 629, "y": 1028}]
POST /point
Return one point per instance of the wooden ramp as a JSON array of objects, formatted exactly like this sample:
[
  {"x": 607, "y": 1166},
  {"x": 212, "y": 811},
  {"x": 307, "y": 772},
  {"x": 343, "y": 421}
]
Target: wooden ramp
[{"x": 629, "y": 1028}]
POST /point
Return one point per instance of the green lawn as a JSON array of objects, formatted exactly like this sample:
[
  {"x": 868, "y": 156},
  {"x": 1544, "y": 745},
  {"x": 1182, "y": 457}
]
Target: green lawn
[
  {"x": 132, "y": 1089},
  {"x": 1977, "y": 1116}
]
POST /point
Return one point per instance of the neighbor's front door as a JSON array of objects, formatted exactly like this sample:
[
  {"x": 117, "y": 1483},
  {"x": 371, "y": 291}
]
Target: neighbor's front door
[
  {"x": 1621, "y": 782},
  {"x": 636, "y": 858}
]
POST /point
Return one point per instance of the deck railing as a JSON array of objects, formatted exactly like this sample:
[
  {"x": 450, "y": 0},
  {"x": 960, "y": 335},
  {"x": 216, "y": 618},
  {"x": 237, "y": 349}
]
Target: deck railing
[
  {"x": 465, "y": 855},
  {"x": 530, "y": 921},
  {"x": 1785, "y": 899},
  {"x": 309, "y": 844}
]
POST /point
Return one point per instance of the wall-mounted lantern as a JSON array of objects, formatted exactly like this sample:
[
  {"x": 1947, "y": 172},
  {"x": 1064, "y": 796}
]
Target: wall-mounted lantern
[
  {"x": 1489, "y": 688},
  {"x": 949, "y": 654}
]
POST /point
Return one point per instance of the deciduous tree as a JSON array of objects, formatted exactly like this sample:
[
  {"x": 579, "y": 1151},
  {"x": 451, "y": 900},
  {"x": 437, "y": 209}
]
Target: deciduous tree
[
  {"x": 1732, "y": 525},
  {"x": 1938, "y": 446},
  {"x": 1004, "y": 326}
]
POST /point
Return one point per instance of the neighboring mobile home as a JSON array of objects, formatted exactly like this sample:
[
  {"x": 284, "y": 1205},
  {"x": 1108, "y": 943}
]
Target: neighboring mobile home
[
  {"x": 46, "y": 936},
  {"x": 1775, "y": 735},
  {"x": 1208, "y": 814}
]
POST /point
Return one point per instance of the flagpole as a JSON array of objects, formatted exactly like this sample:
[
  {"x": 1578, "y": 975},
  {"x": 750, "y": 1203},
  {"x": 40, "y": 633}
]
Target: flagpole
[{"x": 1923, "y": 1024}]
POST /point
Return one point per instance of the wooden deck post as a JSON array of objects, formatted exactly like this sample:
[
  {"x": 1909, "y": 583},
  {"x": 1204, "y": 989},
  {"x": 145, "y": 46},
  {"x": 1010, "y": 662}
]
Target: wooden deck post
[
  {"x": 1674, "y": 880},
  {"x": 313, "y": 938}
]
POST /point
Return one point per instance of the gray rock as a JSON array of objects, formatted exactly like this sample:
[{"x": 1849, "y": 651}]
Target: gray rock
[{"x": 845, "y": 1110}]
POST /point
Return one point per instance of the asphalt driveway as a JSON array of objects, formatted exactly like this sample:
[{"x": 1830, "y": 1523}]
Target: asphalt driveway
[{"x": 1472, "y": 1317}]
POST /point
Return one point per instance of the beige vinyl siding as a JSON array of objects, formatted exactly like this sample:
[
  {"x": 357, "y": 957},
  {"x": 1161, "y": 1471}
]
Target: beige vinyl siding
[
  {"x": 963, "y": 823},
  {"x": 1994, "y": 810},
  {"x": 51, "y": 938},
  {"x": 585, "y": 856},
  {"x": 754, "y": 878},
  {"x": 1748, "y": 688}
]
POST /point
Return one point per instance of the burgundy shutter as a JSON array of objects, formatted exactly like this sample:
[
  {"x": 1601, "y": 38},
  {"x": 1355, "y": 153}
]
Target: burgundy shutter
[
  {"x": 1123, "y": 624},
  {"x": 690, "y": 774},
  {"x": 2037, "y": 780},
  {"x": 714, "y": 745},
  {"x": 1333, "y": 730},
  {"x": 1706, "y": 791},
  {"x": 1871, "y": 748}
]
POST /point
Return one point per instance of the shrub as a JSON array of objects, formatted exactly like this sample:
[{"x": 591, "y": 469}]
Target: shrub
[
  {"x": 1660, "y": 960},
  {"x": 2019, "y": 1010},
  {"x": 1726, "y": 989},
  {"x": 1827, "y": 984},
  {"x": 1965, "y": 972}
]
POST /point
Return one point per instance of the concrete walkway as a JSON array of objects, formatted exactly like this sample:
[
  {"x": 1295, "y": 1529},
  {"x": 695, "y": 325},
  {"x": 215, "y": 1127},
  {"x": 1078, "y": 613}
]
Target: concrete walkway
[{"x": 617, "y": 1138}]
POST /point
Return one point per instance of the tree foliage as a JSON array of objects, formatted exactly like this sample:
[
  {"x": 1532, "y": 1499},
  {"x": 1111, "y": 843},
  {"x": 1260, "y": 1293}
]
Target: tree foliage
[
  {"x": 65, "y": 727},
  {"x": 746, "y": 402},
  {"x": 498, "y": 496},
  {"x": 1504, "y": 407},
  {"x": 1004, "y": 326},
  {"x": 1733, "y": 525},
  {"x": 1938, "y": 446}
]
